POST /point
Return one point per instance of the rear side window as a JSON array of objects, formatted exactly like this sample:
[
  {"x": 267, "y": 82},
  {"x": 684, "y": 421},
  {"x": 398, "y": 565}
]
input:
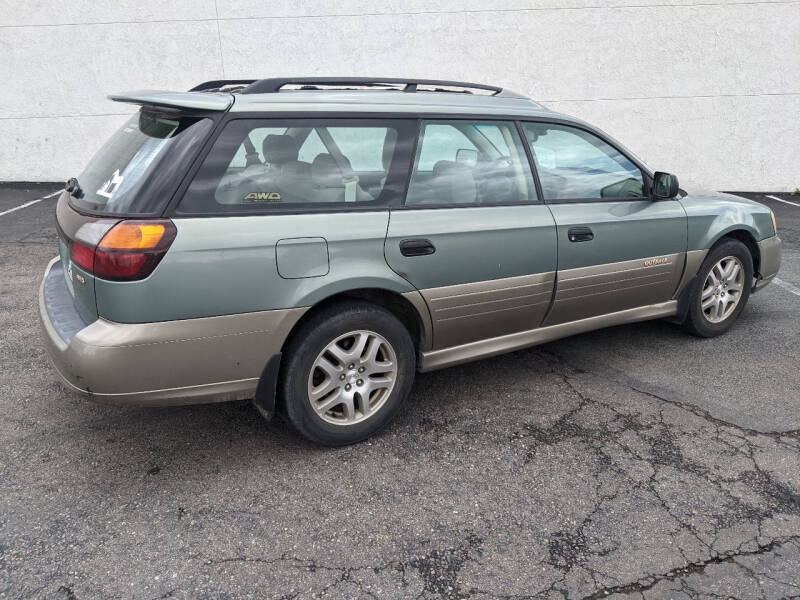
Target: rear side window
[
  {"x": 262, "y": 165},
  {"x": 470, "y": 162},
  {"x": 575, "y": 164},
  {"x": 136, "y": 169}
]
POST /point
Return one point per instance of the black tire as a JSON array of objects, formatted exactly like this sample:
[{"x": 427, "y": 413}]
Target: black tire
[
  {"x": 306, "y": 344},
  {"x": 696, "y": 321}
]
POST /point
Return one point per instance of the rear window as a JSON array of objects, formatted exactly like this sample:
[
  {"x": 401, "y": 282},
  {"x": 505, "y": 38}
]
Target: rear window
[
  {"x": 132, "y": 173},
  {"x": 264, "y": 164}
]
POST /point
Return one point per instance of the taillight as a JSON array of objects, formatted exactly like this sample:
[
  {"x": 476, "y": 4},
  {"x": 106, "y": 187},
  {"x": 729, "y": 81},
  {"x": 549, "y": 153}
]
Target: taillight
[
  {"x": 129, "y": 251},
  {"x": 83, "y": 256}
]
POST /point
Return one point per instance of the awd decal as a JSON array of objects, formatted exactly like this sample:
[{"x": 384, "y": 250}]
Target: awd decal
[
  {"x": 651, "y": 262},
  {"x": 262, "y": 197}
]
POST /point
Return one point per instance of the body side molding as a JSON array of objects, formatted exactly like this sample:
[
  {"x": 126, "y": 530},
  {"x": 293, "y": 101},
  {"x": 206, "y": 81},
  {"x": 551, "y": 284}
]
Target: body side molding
[
  {"x": 468, "y": 312},
  {"x": 455, "y": 355}
]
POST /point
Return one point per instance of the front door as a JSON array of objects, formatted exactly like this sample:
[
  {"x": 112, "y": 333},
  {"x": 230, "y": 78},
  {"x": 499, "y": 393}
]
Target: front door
[
  {"x": 472, "y": 237},
  {"x": 617, "y": 249}
]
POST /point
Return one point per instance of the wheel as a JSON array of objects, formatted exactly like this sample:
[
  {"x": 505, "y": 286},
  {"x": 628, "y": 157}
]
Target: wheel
[
  {"x": 721, "y": 290},
  {"x": 346, "y": 372}
]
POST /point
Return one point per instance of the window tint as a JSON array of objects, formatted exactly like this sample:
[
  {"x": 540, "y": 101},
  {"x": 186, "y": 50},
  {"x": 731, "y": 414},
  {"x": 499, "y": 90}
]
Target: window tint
[
  {"x": 311, "y": 148},
  {"x": 130, "y": 174},
  {"x": 470, "y": 162},
  {"x": 363, "y": 146},
  {"x": 574, "y": 164},
  {"x": 258, "y": 164}
]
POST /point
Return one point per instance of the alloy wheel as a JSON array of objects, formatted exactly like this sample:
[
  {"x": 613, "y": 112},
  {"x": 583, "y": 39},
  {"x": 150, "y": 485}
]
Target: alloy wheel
[
  {"x": 722, "y": 289},
  {"x": 352, "y": 377}
]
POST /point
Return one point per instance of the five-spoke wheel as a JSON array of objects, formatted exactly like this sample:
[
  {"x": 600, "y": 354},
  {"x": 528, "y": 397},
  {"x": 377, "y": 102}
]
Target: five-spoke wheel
[
  {"x": 352, "y": 377},
  {"x": 346, "y": 371},
  {"x": 722, "y": 289}
]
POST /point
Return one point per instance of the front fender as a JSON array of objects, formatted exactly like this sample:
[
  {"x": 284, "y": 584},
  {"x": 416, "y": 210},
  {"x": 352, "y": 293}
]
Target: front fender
[{"x": 710, "y": 217}]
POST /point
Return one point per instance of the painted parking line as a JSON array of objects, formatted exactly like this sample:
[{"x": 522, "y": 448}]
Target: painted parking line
[
  {"x": 31, "y": 203},
  {"x": 782, "y": 200},
  {"x": 787, "y": 286}
]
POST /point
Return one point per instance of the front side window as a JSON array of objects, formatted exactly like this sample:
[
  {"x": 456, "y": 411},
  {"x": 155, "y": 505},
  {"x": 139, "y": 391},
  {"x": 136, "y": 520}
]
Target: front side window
[
  {"x": 270, "y": 164},
  {"x": 470, "y": 162},
  {"x": 575, "y": 164}
]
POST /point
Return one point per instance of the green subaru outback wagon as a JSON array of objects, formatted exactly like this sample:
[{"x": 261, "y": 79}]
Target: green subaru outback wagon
[{"x": 311, "y": 243}]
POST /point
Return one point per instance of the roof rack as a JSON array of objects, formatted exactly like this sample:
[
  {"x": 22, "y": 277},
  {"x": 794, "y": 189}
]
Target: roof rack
[
  {"x": 218, "y": 84},
  {"x": 274, "y": 85}
]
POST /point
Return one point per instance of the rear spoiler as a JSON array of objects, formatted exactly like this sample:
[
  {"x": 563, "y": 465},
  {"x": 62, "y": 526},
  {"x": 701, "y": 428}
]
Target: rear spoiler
[{"x": 189, "y": 100}]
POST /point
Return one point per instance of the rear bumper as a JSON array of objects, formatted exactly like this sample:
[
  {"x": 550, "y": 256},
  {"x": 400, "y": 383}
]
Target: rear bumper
[
  {"x": 189, "y": 361},
  {"x": 770, "y": 263}
]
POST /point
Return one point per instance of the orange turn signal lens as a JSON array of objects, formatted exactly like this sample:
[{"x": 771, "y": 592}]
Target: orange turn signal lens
[
  {"x": 131, "y": 250},
  {"x": 133, "y": 235}
]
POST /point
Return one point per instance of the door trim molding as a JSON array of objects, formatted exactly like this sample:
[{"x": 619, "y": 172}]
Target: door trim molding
[
  {"x": 465, "y": 312},
  {"x": 455, "y": 355}
]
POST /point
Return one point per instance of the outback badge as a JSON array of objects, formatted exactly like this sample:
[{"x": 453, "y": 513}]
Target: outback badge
[{"x": 651, "y": 262}]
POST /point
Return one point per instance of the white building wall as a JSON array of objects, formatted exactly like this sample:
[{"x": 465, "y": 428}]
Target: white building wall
[{"x": 707, "y": 89}]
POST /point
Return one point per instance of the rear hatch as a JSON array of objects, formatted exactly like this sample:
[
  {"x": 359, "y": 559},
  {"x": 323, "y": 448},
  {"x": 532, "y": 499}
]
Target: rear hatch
[
  {"x": 74, "y": 227},
  {"x": 132, "y": 177}
]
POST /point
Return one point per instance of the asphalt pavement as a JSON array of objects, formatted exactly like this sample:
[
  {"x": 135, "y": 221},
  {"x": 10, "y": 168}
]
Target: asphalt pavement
[{"x": 635, "y": 462}]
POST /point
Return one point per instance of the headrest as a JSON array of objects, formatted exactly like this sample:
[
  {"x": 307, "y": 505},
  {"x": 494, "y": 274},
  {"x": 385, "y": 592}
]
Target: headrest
[
  {"x": 444, "y": 167},
  {"x": 453, "y": 182},
  {"x": 325, "y": 173},
  {"x": 279, "y": 149}
]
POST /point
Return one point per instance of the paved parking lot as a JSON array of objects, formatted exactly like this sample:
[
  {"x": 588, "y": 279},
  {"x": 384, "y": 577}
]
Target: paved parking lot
[{"x": 634, "y": 461}]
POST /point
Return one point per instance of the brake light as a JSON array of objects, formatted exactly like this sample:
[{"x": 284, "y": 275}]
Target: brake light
[
  {"x": 83, "y": 256},
  {"x": 129, "y": 251}
]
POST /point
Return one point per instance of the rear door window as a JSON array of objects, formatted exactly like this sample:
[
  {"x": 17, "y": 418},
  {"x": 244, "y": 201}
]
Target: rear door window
[
  {"x": 262, "y": 165},
  {"x": 464, "y": 162}
]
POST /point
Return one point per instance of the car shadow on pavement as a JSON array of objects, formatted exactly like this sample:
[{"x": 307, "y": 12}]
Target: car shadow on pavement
[{"x": 208, "y": 438}]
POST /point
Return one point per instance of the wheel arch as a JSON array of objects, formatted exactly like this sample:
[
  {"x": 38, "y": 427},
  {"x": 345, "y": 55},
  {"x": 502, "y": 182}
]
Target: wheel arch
[
  {"x": 745, "y": 236},
  {"x": 408, "y": 307},
  {"x": 741, "y": 234}
]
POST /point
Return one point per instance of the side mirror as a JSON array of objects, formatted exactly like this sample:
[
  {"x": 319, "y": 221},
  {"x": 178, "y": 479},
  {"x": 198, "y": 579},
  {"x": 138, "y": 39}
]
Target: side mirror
[{"x": 665, "y": 186}]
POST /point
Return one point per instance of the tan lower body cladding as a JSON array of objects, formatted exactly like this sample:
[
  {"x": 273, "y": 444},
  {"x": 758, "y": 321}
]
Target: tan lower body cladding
[
  {"x": 602, "y": 289},
  {"x": 475, "y": 320},
  {"x": 474, "y": 311}
]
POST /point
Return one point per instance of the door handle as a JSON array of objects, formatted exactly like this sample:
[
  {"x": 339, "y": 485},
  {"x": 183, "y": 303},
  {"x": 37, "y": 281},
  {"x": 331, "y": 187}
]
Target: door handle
[
  {"x": 419, "y": 247},
  {"x": 580, "y": 234}
]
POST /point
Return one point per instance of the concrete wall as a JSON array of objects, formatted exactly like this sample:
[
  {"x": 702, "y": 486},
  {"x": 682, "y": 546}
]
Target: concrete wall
[{"x": 707, "y": 89}]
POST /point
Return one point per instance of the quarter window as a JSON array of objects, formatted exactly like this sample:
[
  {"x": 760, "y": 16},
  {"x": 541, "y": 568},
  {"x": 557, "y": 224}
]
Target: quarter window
[
  {"x": 257, "y": 164},
  {"x": 470, "y": 162},
  {"x": 575, "y": 164}
]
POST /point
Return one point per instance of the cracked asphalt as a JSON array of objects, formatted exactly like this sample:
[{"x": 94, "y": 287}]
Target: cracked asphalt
[{"x": 628, "y": 462}]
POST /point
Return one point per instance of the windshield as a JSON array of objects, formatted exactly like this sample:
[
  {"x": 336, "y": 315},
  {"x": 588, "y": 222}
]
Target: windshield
[{"x": 124, "y": 177}]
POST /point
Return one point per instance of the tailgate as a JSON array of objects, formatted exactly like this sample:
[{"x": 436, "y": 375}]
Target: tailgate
[{"x": 71, "y": 226}]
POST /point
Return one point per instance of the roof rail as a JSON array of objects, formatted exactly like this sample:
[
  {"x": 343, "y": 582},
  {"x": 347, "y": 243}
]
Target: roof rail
[
  {"x": 265, "y": 86},
  {"x": 220, "y": 83}
]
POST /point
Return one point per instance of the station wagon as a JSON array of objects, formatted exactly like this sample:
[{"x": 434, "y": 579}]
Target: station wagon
[{"x": 312, "y": 243}]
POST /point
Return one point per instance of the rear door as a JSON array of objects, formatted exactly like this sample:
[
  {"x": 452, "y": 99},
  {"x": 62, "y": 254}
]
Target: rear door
[
  {"x": 472, "y": 236},
  {"x": 617, "y": 249}
]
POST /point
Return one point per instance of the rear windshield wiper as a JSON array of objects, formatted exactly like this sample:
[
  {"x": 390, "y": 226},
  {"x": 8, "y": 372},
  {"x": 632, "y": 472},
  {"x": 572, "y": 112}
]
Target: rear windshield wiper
[{"x": 74, "y": 188}]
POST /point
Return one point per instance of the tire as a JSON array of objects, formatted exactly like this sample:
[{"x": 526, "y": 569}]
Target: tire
[
  {"x": 317, "y": 372},
  {"x": 720, "y": 312}
]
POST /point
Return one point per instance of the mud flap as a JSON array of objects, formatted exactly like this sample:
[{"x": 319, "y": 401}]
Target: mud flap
[{"x": 264, "y": 400}]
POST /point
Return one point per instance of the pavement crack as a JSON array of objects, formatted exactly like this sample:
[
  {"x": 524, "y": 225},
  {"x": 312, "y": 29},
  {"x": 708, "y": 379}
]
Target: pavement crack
[{"x": 646, "y": 583}]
